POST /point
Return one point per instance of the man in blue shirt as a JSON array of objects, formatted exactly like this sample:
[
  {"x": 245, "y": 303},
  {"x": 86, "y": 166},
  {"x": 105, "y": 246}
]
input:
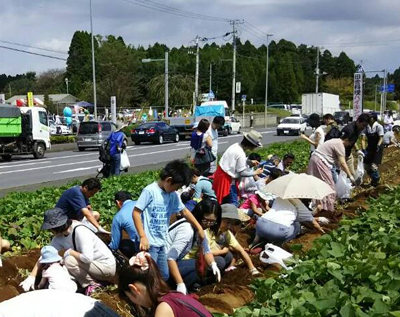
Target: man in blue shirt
[
  {"x": 75, "y": 202},
  {"x": 203, "y": 186},
  {"x": 116, "y": 140},
  {"x": 123, "y": 221}
]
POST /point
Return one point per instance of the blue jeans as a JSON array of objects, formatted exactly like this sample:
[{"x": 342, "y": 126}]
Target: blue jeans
[
  {"x": 160, "y": 257},
  {"x": 115, "y": 164},
  {"x": 187, "y": 268},
  {"x": 275, "y": 232},
  {"x": 223, "y": 261},
  {"x": 232, "y": 198}
]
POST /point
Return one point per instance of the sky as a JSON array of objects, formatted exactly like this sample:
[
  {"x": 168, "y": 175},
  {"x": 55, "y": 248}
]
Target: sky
[{"x": 367, "y": 30}]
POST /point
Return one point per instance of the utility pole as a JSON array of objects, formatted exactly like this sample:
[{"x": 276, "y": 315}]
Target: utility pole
[
  {"x": 166, "y": 85},
  {"x": 210, "y": 77},
  {"x": 384, "y": 90},
  {"x": 66, "y": 82},
  {"x": 266, "y": 83},
  {"x": 93, "y": 64},
  {"x": 234, "y": 23},
  {"x": 376, "y": 88},
  {"x": 317, "y": 71},
  {"x": 196, "y": 84}
]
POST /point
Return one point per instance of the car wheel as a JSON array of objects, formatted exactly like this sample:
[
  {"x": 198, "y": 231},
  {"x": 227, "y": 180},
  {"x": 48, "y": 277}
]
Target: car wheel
[
  {"x": 229, "y": 130},
  {"x": 176, "y": 138},
  {"x": 278, "y": 133},
  {"x": 299, "y": 132},
  {"x": 238, "y": 131},
  {"x": 160, "y": 139},
  {"x": 81, "y": 149},
  {"x": 226, "y": 132},
  {"x": 39, "y": 150},
  {"x": 137, "y": 142},
  {"x": 6, "y": 157}
]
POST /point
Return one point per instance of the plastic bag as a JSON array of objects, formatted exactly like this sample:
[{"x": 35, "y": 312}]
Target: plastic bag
[
  {"x": 124, "y": 161},
  {"x": 275, "y": 254},
  {"x": 360, "y": 170},
  {"x": 343, "y": 186}
]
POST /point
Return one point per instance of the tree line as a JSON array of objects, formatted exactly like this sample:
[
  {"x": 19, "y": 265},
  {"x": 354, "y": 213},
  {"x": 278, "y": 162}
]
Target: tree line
[{"x": 121, "y": 73}]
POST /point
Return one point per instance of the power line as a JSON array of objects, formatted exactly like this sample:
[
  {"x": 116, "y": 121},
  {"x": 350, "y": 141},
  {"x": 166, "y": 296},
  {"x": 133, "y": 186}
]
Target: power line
[
  {"x": 149, "y": 4},
  {"x": 34, "y": 47},
  {"x": 32, "y": 53},
  {"x": 256, "y": 29}
]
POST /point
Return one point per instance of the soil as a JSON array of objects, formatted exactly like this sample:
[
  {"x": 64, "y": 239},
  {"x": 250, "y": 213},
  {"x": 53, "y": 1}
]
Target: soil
[{"x": 233, "y": 291}]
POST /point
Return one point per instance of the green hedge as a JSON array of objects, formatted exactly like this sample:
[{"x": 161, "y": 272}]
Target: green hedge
[{"x": 58, "y": 139}]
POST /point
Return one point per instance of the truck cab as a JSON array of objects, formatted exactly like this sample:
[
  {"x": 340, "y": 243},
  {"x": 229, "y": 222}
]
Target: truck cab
[{"x": 23, "y": 130}]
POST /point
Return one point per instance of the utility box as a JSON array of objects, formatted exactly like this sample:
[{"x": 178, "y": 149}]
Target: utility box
[
  {"x": 10, "y": 121},
  {"x": 320, "y": 103}
]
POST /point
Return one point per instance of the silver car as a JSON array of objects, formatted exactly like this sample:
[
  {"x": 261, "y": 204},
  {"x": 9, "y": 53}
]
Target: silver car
[{"x": 92, "y": 134}]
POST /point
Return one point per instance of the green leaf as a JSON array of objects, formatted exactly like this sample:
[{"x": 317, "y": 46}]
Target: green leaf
[{"x": 347, "y": 310}]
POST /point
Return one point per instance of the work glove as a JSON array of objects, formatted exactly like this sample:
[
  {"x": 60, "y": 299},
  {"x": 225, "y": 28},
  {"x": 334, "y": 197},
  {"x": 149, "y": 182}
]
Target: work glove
[
  {"x": 323, "y": 220},
  {"x": 361, "y": 153},
  {"x": 215, "y": 270},
  {"x": 353, "y": 181},
  {"x": 181, "y": 287},
  {"x": 28, "y": 284},
  {"x": 67, "y": 253},
  {"x": 102, "y": 230}
]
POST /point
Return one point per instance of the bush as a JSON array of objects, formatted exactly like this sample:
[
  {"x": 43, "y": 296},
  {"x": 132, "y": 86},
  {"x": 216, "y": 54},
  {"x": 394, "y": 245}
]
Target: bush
[{"x": 59, "y": 139}]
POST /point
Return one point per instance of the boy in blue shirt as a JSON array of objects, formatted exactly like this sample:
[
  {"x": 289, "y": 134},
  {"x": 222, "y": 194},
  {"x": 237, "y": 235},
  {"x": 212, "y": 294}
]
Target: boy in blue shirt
[
  {"x": 152, "y": 212},
  {"x": 123, "y": 221}
]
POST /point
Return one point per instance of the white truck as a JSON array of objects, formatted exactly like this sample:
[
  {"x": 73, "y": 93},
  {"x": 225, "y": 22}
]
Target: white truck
[
  {"x": 207, "y": 110},
  {"x": 23, "y": 130},
  {"x": 320, "y": 103}
]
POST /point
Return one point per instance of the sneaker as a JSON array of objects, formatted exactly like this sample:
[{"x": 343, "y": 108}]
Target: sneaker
[{"x": 92, "y": 289}]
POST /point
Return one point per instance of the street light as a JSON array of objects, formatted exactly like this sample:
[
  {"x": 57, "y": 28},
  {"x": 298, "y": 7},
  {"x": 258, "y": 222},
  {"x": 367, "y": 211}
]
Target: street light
[
  {"x": 93, "y": 64},
  {"x": 66, "y": 82},
  {"x": 266, "y": 83},
  {"x": 149, "y": 60}
]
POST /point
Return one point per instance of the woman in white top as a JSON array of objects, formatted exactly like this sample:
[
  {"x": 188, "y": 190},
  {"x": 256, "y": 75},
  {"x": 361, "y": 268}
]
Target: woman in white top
[
  {"x": 200, "y": 139},
  {"x": 318, "y": 136},
  {"x": 282, "y": 222}
]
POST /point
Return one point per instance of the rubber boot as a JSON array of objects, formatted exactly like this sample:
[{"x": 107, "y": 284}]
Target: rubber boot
[{"x": 375, "y": 177}]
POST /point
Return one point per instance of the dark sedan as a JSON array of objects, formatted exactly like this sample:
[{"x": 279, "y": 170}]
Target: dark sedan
[{"x": 156, "y": 132}]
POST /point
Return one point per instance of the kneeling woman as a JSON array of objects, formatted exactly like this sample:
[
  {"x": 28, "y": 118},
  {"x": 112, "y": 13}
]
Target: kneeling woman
[
  {"x": 282, "y": 222},
  {"x": 141, "y": 284}
]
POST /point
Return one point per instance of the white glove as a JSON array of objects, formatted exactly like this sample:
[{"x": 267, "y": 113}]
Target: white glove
[
  {"x": 181, "y": 287},
  {"x": 353, "y": 181},
  {"x": 67, "y": 253},
  {"x": 1, "y": 262},
  {"x": 360, "y": 153},
  {"x": 323, "y": 220},
  {"x": 28, "y": 284},
  {"x": 216, "y": 271},
  {"x": 102, "y": 230}
]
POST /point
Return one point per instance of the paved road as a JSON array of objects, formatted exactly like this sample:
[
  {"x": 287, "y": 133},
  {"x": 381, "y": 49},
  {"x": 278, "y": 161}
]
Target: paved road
[{"x": 63, "y": 166}]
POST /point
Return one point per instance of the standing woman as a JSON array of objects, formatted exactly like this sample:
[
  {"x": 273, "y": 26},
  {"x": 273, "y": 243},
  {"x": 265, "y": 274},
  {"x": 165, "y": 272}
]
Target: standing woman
[
  {"x": 141, "y": 284},
  {"x": 388, "y": 121},
  {"x": 318, "y": 136},
  {"x": 374, "y": 150},
  {"x": 325, "y": 157},
  {"x": 200, "y": 140},
  {"x": 233, "y": 166}
]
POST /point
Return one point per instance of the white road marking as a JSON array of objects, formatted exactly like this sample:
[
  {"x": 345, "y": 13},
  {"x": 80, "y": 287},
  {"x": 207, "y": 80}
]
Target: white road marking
[
  {"x": 77, "y": 169},
  {"x": 24, "y": 164}
]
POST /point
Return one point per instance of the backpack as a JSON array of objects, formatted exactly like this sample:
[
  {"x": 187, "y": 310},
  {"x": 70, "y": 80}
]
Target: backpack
[
  {"x": 334, "y": 133},
  {"x": 196, "y": 140},
  {"x": 104, "y": 152}
]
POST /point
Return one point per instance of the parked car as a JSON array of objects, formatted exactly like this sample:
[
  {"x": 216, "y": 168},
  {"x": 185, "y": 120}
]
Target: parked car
[
  {"x": 235, "y": 125},
  {"x": 77, "y": 118},
  {"x": 291, "y": 125},
  {"x": 92, "y": 134},
  {"x": 58, "y": 129},
  {"x": 342, "y": 117},
  {"x": 156, "y": 132}
]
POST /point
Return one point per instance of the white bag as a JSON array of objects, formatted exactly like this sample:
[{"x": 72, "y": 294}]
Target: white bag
[
  {"x": 343, "y": 186},
  {"x": 275, "y": 254},
  {"x": 360, "y": 169},
  {"x": 124, "y": 161}
]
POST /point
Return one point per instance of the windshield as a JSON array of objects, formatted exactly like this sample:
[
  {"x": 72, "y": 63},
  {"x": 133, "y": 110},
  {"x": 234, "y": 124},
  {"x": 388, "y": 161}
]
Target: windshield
[
  {"x": 337, "y": 114},
  {"x": 88, "y": 128},
  {"x": 147, "y": 126},
  {"x": 296, "y": 121}
]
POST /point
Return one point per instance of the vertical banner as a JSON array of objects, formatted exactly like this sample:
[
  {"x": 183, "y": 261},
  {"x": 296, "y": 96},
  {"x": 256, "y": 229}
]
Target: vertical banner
[
  {"x": 358, "y": 93},
  {"x": 114, "y": 109},
  {"x": 30, "y": 99}
]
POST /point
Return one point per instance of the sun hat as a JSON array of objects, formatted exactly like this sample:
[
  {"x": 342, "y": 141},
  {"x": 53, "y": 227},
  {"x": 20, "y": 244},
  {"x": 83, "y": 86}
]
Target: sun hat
[
  {"x": 314, "y": 120},
  {"x": 229, "y": 211},
  {"x": 262, "y": 195},
  {"x": 49, "y": 255},
  {"x": 53, "y": 218},
  {"x": 253, "y": 137}
]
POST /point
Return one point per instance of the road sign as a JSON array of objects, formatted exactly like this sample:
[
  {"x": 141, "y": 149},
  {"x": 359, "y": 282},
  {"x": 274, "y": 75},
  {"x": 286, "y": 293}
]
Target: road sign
[
  {"x": 211, "y": 95},
  {"x": 389, "y": 88},
  {"x": 244, "y": 97},
  {"x": 238, "y": 87}
]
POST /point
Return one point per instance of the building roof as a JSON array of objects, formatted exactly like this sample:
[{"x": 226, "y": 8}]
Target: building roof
[{"x": 56, "y": 98}]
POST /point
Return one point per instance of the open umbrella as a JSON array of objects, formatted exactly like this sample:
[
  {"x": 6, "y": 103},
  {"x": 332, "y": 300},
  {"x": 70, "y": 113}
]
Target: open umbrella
[{"x": 298, "y": 186}]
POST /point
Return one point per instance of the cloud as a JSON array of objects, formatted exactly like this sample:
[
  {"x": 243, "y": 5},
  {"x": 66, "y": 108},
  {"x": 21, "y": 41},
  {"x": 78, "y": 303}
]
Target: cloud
[{"x": 366, "y": 30}]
